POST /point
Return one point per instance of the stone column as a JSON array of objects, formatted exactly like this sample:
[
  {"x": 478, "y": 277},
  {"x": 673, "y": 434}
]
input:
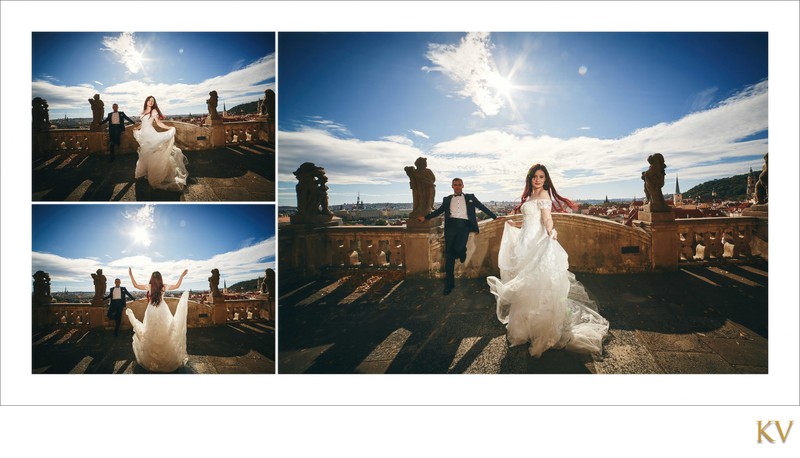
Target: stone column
[
  {"x": 418, "y": 258},
  {"x": 666, "y": 241}
]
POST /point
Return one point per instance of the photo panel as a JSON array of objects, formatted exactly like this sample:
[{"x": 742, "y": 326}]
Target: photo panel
[
  {"x": 153, "y": 288},
  {"x": 153, "y": 116}
]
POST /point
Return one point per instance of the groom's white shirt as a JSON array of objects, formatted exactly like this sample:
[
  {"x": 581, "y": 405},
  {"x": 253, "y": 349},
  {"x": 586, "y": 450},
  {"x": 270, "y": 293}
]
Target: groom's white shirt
[
  {"x": 117, "y": 293},
  {"x": 458, "y": 207}
]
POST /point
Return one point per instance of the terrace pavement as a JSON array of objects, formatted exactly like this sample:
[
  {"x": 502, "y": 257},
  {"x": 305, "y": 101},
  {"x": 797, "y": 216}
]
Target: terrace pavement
[
  {"x": 237, "y": 172},
  {"x": 703, "y": 319}
]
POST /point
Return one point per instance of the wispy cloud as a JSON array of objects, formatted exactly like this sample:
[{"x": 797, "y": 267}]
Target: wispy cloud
[
  {"x": 703, "y": 99},
  {"x": 419, "y": 133},
  {"x": 470, "y": 65},
  {"x": 702, "y": 145},
  {"x": 245, "y": 263},
  {"x": 98, "y": 83},
  {"x": 401, "y": 139},
  {"x": 124, "y": 49}
]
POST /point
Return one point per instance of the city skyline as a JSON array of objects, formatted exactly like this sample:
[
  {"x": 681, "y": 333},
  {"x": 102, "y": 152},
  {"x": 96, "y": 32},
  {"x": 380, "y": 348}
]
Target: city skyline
[
  {"x": 486, "y": 106},
  {"x": 178, "y": 68},
  {"x": 70, "y": 242}
]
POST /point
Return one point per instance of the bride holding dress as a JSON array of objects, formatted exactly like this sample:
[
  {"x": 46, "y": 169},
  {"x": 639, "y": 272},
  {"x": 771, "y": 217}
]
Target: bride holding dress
[
  {"x": 160, "y": 160},
  {"x": 159, "y": 340},
  {"x": 538, "y": 299}
]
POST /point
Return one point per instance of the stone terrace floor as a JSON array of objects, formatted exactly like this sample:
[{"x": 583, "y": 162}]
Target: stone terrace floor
[
  {"x": 699, "y": 320},
  {"x": 241, "y": 172},
  {"x": 237, "y": 348}
]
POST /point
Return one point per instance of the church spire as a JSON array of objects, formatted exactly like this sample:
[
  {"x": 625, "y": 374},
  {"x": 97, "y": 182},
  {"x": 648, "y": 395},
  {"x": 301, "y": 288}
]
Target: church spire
[{"x": 677, "y": 186}]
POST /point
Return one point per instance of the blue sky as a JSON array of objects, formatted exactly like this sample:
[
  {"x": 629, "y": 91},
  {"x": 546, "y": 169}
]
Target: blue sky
[
  {"x": 71, "y": 242},
  {"x": 178, "y": 68},
  {"x": 486, "y": 106}
]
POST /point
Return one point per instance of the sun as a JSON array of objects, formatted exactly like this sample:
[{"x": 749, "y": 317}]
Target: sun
[
  {"x": 141, "y": 236},
  {"x": 501, "y": 84}
]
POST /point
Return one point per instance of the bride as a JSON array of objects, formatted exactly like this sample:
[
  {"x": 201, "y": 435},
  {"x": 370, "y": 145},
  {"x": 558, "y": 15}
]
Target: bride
[
  {"x": 160, "y": 160},
  {"x": 538, "y": 299},
  {"x": 159, "y": 341}
]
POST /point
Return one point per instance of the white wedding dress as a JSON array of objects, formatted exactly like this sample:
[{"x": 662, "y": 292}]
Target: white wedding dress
[
  {"x": 160, "y": 160},
  {"x": 159, "y": 341},
  {"x": 538, "y": 299}
]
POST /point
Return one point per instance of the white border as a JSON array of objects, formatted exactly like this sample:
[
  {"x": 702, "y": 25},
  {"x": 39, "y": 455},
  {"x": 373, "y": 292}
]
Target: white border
[{"x": 780, "y": 387}]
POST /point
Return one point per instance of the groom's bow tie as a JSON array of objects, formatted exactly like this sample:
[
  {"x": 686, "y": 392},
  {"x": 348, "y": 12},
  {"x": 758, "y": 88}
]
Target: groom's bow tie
[{"x": 459, "y": 194}]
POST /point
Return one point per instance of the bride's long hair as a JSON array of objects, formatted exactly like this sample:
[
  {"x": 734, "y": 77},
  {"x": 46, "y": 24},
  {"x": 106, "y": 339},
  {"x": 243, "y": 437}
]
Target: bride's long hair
[
  {"x": 156, "y": 287},
  {"x": 155, "y": 106},
  {"x": 558, "y": 200}
]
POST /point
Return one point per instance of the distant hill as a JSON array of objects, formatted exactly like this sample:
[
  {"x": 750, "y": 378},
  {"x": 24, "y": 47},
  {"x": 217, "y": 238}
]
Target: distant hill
[
  {"x": 247, "y": 285},
  {"x": 245, "y": 108},
  {"x": 731, "y": 188}
]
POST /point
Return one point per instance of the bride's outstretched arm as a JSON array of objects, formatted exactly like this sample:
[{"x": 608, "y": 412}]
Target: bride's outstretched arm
[
  {"x": 133, "y": 281},
  {"x": 161, "y": 124},
  {"x": 180, "y": 280}
]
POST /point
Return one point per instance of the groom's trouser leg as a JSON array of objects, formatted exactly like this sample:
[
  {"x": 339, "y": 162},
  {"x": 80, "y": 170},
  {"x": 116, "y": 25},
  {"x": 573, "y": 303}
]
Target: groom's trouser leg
[{"x": 455, "y": 242}]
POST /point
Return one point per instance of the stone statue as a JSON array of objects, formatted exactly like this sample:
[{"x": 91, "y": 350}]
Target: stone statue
[
  {"x": 97, "y": 112},
  {"x": 213, "y": 283},
  {"x": 41, "y": 287},
  {"x": 41, "y": 115},
  {"x": 268, "y": 107},
  {"x": 270, "y": 281},
  {"x": 423, "y": 189},
  {"x": 762, "y": 184},
  {"x": 653, "y": 182},
  {"x": 212, "y": 105},
  {"x": 99, "y": 285},
  {"x": 312, "y": 192}
]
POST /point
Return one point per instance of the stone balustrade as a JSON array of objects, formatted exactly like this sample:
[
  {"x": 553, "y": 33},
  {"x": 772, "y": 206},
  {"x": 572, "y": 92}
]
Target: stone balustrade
[
  {"x": 247, "y": 310},
  {"x": 245, "y": 132},
  {"x": 708, "y": 239},
  {"x": 56, "y": 314},
  {"x": 593, "y": 244},
  {"x": 188, "y": 137}
]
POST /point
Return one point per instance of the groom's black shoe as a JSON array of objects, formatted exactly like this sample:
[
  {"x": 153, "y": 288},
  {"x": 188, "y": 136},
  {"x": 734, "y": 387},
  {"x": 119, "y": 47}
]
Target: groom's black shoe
[{"x": 463, "y": 256}]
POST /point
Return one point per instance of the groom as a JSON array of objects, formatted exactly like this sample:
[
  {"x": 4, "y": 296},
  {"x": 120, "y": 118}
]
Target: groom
[
  {"x": 117, "y": 296},
  {"x": 116, "y": 126},
  {"x": 459, "y": 221}
]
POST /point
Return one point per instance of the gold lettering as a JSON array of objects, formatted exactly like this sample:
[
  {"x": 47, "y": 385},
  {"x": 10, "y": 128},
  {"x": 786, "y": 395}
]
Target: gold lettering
[
  {"x": 761, "y": 432},
  {"x": 780, "y": 430}
]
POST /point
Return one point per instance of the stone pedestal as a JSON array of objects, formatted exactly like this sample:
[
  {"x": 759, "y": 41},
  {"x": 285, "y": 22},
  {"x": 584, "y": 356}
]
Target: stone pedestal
[
  {"x": 219, "y": 313},
  {"x": 417, "y": 251},
  {"x": 666, "y": 243},
  {"x": 97, "y": 317},
  {"x": 97, "y": 143},
  {"x": 758, "y": 210},
  {"x": 217, "y": 132}
]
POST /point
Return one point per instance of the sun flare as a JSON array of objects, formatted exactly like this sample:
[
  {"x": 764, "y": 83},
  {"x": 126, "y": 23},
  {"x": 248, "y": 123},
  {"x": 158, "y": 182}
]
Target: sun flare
[{"x": 141, "y": 236}]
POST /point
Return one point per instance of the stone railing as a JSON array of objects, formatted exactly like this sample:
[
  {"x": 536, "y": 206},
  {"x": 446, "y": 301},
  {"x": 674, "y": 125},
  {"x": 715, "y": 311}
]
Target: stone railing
[
  {"x": 306, "y": 250},
  {"x": 247, "y": 310},
  {"x": 245, "y": 131},
  {"x": 593, "y": 244},
  {"x": 188, "y": 137},
  {"x": 709, "y": 239},
  {"x": 56, "y": 314}
]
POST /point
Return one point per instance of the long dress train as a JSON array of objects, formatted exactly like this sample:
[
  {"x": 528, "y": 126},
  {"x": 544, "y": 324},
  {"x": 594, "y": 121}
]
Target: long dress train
[
  {"x": 538, "y": 299},
  {"x": 160, "y": 160},
  {"x": 159, "y": 341}
]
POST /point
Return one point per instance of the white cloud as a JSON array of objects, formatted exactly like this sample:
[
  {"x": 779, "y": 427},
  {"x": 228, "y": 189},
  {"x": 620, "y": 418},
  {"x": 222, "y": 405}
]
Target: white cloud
[
  {"x": 124, "y": 48},
  {"x": 239, "y": 86},
  {"x": 584, "y": 128},
  {"x": 582, "y": 70},
  {"x": 471, "y": 66},
  {"x": 143, "y": 216},
  {"x": 702, "y": 145},
  {"x": 703, "y": 99},
  {"x": 419, "y": 133},
  {"x": 401, "y": 139},
  {"x": 243, "y": 264},
  {"x": 98, "y": 83}
]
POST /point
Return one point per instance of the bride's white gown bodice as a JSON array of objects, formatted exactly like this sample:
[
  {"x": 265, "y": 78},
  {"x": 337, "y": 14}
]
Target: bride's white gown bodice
[
  {"x": 160, "y": 160},
  {"x": 159, "y": 340},
  {"x": 538, "y": 299}
]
